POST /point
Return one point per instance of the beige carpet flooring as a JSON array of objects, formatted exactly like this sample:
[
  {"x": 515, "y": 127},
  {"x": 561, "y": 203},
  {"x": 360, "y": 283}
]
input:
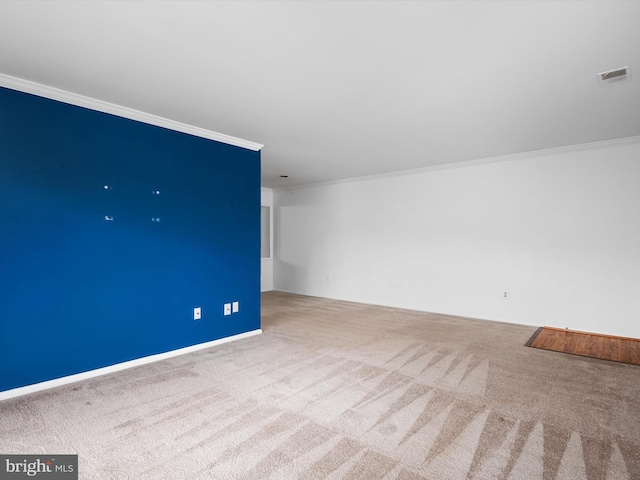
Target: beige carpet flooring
[{"x": 337, "y": 390}]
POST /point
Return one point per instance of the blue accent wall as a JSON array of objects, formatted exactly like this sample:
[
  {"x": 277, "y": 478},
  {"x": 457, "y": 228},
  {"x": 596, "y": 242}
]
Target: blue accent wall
[{"x": 78, "y": 292}]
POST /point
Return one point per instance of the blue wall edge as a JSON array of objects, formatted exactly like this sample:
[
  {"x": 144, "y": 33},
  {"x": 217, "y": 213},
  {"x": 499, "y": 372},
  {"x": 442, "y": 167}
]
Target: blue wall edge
[{"x": 98, "y": 372}]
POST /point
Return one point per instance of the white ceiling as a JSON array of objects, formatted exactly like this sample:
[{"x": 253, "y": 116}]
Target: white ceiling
[{"x": 345, "y": 89}]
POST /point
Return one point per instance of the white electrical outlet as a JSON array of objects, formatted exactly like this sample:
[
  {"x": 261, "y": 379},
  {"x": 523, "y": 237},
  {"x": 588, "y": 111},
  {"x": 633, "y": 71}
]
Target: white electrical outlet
[
  {"x": 227, "y": 309},
  {"x": 235, "y": 306},
  {"x": 197, "y": 313}
]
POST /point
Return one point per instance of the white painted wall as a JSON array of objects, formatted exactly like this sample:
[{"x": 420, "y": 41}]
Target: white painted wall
[
  {"x": 559, "y": 231},
  {"x": 266, "y": 264}
]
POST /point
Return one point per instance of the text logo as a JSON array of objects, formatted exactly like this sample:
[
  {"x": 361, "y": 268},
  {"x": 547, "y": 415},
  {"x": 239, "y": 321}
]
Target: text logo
[{"x": 50, "y": 467}]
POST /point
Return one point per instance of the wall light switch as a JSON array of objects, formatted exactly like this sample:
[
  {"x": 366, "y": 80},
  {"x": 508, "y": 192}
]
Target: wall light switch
[
  {"x": 227, "y": 309},
  {"x": 197, "y": 313},
  {"x": 235, "y": 306}
]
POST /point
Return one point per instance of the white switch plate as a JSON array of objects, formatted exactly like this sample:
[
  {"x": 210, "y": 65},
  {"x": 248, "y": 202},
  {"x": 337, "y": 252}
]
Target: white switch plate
[
  {"x": 235, "y": 306},
  {"x": 197, "y": 313},
  {"x": 227, "y": 309}
]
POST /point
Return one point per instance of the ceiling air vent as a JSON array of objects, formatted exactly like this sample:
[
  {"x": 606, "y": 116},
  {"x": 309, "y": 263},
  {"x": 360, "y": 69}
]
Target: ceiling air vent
[{"x": 612, "y": 76}]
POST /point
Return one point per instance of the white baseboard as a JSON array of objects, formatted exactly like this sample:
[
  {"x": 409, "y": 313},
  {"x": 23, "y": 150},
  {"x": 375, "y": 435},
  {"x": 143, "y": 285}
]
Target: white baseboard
[
  {"x": 57, "y": 382},
  {"x": 511, "y": 322}
]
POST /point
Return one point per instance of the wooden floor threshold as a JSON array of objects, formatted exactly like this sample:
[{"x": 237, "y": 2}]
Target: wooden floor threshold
[{"x": 593, "y": 345}]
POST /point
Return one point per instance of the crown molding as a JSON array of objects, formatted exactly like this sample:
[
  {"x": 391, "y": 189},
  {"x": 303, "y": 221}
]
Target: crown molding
[
  {"x": 583, "y": 147},
  {"x": 53, "y": 93}
]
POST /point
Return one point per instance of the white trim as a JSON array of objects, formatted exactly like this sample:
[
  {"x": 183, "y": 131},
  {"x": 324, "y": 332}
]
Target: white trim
[
  {"x": 270, "y": 207},
  {"x": 53, "y": 93},
  {"x": 340, "y": 299},
  {"x": 57, "y": 382},
  {"x": 481, "y": 161}
]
